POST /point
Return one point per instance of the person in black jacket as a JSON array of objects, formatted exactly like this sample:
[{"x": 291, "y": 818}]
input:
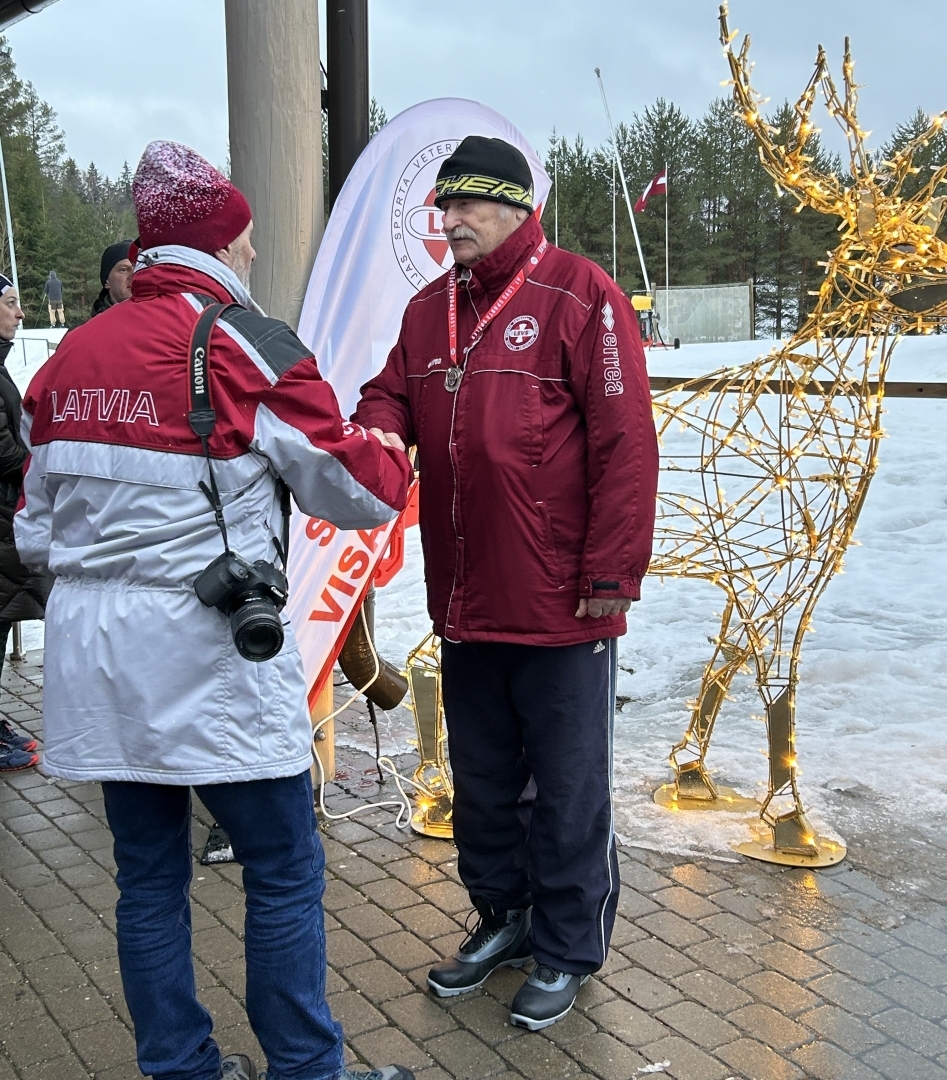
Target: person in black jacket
[{"x": 22, "y": 592}]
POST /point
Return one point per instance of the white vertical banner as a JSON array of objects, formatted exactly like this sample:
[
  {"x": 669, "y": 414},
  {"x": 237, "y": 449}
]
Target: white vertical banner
[{"x": 383, "y": 243}]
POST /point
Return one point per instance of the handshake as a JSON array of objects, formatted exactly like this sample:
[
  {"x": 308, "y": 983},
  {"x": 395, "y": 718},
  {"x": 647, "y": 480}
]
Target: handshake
[{"x": 388, "y": 438}]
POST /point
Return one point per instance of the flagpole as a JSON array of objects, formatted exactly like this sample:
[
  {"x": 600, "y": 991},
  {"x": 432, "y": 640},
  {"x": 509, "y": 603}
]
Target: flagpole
[
  {"x": 624, "y": 186},
  {"x": 555, "y": 162},
  {"x": 667, "y": 255},
  {"x": 614, "y": 226}
]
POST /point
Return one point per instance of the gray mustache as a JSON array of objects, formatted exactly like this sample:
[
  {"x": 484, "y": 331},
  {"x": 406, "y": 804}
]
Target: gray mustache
[{"x": 461, "y": 232}]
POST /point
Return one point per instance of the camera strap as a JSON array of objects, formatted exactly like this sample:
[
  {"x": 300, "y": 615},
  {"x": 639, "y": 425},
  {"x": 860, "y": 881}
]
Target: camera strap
[{"x": 202, "y": 419}]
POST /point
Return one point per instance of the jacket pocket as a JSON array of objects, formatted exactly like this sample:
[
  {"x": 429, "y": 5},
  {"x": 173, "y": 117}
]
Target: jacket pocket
[
  {"x": 550, "y": 552},
  {"x": 535, "y": 428}
]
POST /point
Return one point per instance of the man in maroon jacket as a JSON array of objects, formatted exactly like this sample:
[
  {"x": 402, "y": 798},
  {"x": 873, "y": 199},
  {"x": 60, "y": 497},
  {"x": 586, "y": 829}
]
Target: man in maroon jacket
[{"x": 520, "y": 377}]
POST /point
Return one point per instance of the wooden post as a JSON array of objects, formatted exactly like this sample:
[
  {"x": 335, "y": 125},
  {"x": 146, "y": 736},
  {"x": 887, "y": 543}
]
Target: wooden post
[
  {"x": 325, "y": 748},
  {"x": 275, "y": 99}
]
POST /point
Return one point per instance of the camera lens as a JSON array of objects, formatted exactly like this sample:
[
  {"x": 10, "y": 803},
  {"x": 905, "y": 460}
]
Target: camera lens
[{"x": 257, "y": 630}]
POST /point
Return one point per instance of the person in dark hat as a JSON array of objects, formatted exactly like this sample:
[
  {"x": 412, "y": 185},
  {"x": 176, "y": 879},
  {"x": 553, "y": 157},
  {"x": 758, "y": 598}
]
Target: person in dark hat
[
  {"x": 23, "y": 592},
  {"x": 115, "y": 273},
  {"x": 520, "y": 377}
]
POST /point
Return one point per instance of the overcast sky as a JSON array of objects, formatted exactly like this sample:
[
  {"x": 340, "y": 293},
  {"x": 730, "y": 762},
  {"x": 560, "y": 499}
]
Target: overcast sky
[{"x": 120, "y": 73}]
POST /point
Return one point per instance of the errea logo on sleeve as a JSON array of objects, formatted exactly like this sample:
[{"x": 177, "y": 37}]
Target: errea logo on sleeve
[
  {"x": 612, "y": 361},
  {"x": 99, "y": 405}
]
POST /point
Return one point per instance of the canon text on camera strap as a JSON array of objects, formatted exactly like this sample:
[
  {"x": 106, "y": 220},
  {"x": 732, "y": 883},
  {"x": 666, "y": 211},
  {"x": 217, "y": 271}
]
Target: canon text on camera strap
[{"x": 202, "y": 419}]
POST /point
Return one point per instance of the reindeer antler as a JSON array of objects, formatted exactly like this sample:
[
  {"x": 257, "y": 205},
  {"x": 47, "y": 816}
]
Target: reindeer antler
[
  {"x": 786, "y": 161},
  {"x": 845, "y": 111}
]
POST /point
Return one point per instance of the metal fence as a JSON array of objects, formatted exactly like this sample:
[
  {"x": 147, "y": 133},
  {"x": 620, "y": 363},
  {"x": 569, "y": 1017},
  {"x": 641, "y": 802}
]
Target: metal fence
[{"x": 700, "y": 314}]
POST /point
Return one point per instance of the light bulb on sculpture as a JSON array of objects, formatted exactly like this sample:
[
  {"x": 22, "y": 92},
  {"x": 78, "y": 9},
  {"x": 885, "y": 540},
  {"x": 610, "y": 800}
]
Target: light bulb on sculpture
[{"x": 830, "y": 379}]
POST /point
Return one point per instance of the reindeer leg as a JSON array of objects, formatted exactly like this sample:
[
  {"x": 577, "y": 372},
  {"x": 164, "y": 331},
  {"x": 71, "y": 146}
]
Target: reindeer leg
[
  {"x": 692, "y": 781},
  {"x": 794, "y": 840},
  {"x": 792, "y": 833}
]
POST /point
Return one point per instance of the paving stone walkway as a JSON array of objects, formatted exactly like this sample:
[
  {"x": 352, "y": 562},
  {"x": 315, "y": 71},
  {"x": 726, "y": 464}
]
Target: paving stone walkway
[{"x": 717, "y": 969}]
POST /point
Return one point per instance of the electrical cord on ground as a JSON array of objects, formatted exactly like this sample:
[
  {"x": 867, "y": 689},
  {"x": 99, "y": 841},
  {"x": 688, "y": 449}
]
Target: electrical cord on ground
[{"x": 404, "y": 806}]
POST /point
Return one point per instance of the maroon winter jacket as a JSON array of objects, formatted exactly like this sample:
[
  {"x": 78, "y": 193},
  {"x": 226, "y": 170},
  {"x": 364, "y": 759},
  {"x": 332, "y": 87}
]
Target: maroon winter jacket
[{"x": 539, "y": 475}]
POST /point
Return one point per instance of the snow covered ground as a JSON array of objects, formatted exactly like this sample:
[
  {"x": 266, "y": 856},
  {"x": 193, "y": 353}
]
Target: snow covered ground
[{"x": 872, "y": 704}]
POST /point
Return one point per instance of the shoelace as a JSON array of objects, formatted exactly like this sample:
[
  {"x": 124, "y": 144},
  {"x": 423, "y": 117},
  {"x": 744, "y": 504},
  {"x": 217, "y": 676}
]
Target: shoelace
[
  {"x": 545, "y": 974},
  {"x": 480, "y": 935}
]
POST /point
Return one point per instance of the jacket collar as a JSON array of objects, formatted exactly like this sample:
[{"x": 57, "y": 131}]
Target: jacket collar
[
  {"x": 179, "y": 256},
  {"x": 494, "y": 272}
]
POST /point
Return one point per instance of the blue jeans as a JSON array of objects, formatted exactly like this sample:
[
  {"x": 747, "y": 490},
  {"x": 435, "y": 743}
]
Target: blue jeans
[{"x": 272, "y": 827}]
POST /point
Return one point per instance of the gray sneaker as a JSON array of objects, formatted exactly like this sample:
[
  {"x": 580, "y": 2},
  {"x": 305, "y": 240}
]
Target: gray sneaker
[
  {"x": 389, "y": 1072},
  {"x": 237, "y": 1067},
  {"x": 497, "y": 942},
  {"x": 545, "y": 997}
]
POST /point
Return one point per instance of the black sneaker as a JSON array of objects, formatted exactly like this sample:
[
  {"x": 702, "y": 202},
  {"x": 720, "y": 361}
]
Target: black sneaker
[
  {"x": 389, "y": 1072},
  {"x": 545, "y": 997},
  {"x": 9, "y": 736},
  {"x": 500, "y": 941}
]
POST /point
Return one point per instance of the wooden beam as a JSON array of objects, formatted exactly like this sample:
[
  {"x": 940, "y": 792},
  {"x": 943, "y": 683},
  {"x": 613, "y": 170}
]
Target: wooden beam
[{"x": 728, "y": 385}]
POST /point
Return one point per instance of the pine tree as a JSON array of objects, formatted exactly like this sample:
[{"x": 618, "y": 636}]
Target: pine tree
[
  {"x": 926, "y": 159},
  {"x": 662, "y": 136},
  {"x": 377, "y": 118}
]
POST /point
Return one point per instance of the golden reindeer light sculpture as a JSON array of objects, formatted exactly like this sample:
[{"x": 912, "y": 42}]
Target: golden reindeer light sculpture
[{"x": 767, "y": 465}]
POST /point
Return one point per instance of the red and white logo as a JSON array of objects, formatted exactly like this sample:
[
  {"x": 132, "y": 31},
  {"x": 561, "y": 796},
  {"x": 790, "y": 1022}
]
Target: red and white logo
[
  {"x": 417, "y": 232},
  {"x": 521, "y": 333}
]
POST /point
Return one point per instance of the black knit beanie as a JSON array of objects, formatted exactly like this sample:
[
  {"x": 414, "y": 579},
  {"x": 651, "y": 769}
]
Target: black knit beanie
[
  {"x": 485, "y": 169},
  {"x": 113, "y": 254}
]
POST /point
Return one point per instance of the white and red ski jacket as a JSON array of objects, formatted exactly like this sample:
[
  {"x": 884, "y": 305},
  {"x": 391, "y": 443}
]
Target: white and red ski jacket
[{"x": 142, "y": 682}]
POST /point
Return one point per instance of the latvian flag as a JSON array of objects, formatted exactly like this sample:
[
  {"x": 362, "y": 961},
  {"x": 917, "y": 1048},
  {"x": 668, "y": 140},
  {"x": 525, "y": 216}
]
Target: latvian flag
[{"x": 657, "y": 186}]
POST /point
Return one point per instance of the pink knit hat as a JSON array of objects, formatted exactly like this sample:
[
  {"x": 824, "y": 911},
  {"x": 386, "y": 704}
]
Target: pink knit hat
[{"x": 182, "y": 199}]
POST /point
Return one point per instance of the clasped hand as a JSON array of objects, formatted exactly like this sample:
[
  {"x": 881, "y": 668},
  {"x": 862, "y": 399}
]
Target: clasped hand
[{"x": 388, "y": 438}]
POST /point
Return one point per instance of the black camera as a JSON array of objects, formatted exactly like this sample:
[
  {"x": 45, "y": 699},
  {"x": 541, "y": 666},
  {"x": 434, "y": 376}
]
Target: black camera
[{"x": 253, "y": 595}]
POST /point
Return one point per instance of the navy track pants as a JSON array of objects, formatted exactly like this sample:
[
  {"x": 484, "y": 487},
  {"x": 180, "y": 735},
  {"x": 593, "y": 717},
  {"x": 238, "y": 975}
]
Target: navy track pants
[{"x": 530, "y": 741}]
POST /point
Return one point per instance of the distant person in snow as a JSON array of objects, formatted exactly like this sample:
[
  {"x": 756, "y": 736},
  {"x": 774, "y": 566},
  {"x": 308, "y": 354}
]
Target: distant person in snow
[
  {"x": 538, "y": 480},
  {"x": 22, "y": 592},
  {"x": 115, "y": 273},
  {"x": 52, "y": 290}
]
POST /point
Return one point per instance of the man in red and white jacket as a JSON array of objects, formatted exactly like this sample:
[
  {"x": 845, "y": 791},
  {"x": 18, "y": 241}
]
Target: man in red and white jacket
[
  {"x": 145, "y": 689},
  {"x": 521, "y": 379}
]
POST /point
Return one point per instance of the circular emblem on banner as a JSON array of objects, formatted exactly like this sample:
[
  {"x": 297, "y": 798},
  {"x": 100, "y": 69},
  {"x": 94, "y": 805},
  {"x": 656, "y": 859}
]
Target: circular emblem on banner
[
  {"x": 416, "y": 223},
  {"x": 521, "y": 333}
]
